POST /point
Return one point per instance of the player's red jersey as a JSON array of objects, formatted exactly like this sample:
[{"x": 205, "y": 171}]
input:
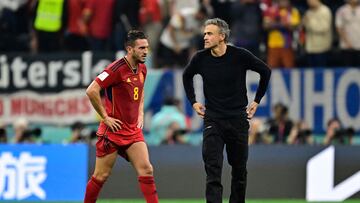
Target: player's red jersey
[{"x": 123, "y": 89}]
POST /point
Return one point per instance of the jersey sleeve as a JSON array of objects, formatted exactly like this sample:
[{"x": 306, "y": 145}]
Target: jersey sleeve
[{"x": 108, "y": 77}]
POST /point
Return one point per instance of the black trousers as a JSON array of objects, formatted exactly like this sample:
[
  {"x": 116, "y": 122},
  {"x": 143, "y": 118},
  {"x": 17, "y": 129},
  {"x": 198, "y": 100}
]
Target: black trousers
[{"x": 232, "y": 134}]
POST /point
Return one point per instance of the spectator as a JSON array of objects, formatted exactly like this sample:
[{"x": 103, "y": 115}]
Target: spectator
[
  {"x": 300, "y": 134},
  {"x": 318, "y": 33},
  {"x": 20, "y": 126},
  {"x": 222, "y": 8},
  {"x": 280, "y": 20},
  {"x": 48, "y": 25},
  {"x": 208, "y": 7},
  {"x": 280, "y": 125},
  {"x": 14, "y": 25},
  {"x": 75, "y": 36},
  {"x": 23, "y": 134},
  {"x": 151, "y": 22},
  {"x": 257, "y": 133},
  {"x": 169, "y": 124},
  {"x": 175, "y": 40},
  {"x": 79, "y": 133},
  {"x": 3, "y": 135},
  {"x": 337, "y": 134},
  {"x": 98, "y": 16},
  {"x": 247, "y": 25},
  {"x": 348, "y": 28},
  {"x": 265, "y": 4},
  {"x": 126, "y": 17},
  {"x": 197, "y": 42}
]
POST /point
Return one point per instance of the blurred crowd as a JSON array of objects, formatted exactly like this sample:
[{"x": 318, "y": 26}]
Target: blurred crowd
[
  {"x": 285, "y": 33},
  {"x": 171, "y": 126},
  {"x": 281, "y": 129}
]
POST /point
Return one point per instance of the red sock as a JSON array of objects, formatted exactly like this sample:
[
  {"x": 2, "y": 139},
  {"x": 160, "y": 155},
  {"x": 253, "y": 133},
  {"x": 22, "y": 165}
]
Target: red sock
[
  {"x": 92, "y": 190},
  {"x": 147, "y": 186}
]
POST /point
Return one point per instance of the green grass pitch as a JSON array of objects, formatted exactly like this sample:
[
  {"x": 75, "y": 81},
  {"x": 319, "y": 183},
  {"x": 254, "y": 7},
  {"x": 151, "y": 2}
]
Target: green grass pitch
[{"x": 202, "y": 201}]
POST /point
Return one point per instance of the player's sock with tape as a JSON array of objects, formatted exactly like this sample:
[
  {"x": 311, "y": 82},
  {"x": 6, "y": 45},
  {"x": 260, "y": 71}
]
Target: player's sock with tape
[
  {"x": 92, "y": 190},
  {"x": 148, "y": 188}
]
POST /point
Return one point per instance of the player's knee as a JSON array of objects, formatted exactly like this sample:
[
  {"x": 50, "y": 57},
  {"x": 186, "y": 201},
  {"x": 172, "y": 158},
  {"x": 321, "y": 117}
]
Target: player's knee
[
  {"x": 102, "y": 176},
  {"x": 146, "y": 170}
]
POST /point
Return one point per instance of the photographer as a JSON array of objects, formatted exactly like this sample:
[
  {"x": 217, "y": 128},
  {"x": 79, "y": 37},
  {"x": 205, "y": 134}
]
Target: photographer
[
  {"x": 278, "y": 127},
  {"x": 336, "y": 134},
  {"x": 300, "y": 134},
  {"x": 168, "y": 126},
  {"x": 80, "y": 133},
  {"x": 3, "y": 137},
  {"x": 23, "y": 134}
]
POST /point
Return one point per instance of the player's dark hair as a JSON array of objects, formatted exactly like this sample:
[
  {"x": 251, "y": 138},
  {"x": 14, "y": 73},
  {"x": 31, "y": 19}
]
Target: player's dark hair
[{"x": 132, "y": 36}]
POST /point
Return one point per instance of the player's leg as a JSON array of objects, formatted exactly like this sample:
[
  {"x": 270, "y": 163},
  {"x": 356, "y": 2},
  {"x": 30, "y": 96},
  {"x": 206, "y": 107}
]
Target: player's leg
[
  {"x": 237, "y": 153},
  {"x": 106, "y": 155},
  {"x": 212, "y": 152},
  {"x": 139, "y": 157}
]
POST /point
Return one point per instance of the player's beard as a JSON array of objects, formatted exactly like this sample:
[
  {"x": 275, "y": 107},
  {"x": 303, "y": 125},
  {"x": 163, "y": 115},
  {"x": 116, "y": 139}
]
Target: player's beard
[{"x": 138, "y": 59}]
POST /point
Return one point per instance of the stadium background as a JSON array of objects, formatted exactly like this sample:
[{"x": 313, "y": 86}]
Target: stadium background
[{"x": 48, "y": 89}]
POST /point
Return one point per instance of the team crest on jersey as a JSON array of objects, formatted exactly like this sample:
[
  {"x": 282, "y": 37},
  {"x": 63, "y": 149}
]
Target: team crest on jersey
[{"x": 141, "y": 76}]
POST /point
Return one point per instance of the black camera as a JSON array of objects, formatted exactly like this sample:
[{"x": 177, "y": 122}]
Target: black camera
[
  {"x": 344, "y": 135},
  {"x": 31, "y": 133},
  {"x": 3, "y": 137},
  {"x": 2, "y": 132},
  {"x": 344, "y": 132},
  {"x": 304, "y": 133}
]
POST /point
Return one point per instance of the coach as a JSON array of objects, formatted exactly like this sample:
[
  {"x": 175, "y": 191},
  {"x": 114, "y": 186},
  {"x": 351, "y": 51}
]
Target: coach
[{"x": 223, "y": 70}]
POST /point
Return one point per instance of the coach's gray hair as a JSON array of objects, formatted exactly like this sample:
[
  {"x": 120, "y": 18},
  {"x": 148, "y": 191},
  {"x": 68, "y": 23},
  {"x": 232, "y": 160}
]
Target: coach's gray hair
[{"x": 223, "y": 26}]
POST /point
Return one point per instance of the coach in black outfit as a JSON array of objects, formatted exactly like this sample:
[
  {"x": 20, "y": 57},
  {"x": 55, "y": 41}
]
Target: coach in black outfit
[{"x": 223, "y": 69}]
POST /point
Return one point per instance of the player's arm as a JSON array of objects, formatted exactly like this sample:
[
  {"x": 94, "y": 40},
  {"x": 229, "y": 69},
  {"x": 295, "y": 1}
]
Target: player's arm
[
  {"x": 93, "y": 92},
  {"x": 141, "y": 112}
]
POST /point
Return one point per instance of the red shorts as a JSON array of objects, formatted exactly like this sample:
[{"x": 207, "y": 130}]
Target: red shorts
[{"x": 107, "y": 145}]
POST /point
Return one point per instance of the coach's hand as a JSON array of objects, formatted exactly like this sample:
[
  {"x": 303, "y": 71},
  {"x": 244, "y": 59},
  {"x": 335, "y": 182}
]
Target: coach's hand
[
  {"x": 200, "y": 109},
  {"x": 113, "y": 123},
  {"x": 251, "y": 109}
]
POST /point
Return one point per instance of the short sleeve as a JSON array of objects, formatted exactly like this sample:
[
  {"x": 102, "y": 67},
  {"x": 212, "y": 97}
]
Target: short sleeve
[{"x": 108, "y": 77}]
